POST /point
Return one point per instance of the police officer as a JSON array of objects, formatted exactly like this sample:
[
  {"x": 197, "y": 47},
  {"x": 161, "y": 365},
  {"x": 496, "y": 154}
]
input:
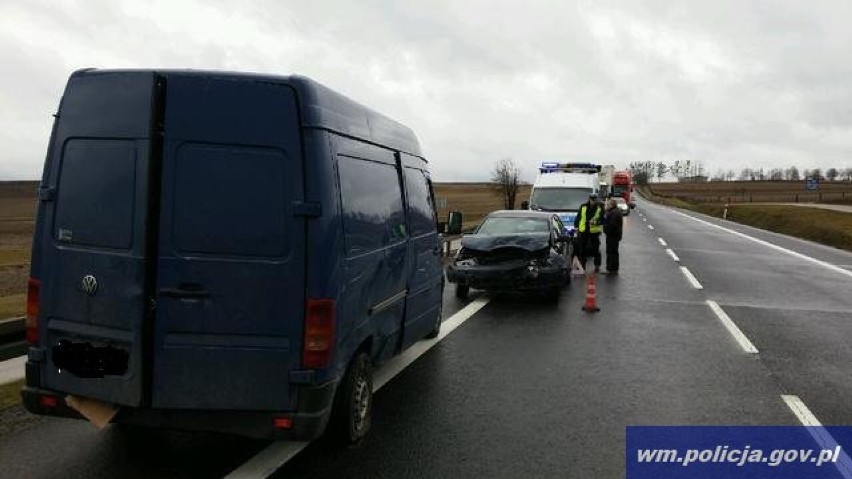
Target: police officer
[
  {"x": 589, "y": 221},
  {"x": 613, "y": 228}
]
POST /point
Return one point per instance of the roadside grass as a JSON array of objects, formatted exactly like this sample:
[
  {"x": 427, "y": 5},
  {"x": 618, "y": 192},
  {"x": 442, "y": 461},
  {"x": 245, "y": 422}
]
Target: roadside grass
[
  {"x": 10, "y": 394},
  {"x": 832, "y": 228},
  {"x": 14, "y": 256},
  {"x": 13, "y": 305}
]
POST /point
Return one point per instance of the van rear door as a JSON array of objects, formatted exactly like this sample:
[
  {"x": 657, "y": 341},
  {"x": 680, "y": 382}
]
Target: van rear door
[
  {"x": 230, "y": 275},
  {"x": 90, "y": 253}
]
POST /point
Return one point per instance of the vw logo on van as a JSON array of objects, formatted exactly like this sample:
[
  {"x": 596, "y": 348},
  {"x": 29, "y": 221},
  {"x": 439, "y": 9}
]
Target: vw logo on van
[{"x": 89, "y": 285}]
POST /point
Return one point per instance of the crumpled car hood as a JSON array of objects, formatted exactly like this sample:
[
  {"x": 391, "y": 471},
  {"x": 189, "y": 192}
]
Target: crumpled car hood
[{"x": 530, "y": 242}]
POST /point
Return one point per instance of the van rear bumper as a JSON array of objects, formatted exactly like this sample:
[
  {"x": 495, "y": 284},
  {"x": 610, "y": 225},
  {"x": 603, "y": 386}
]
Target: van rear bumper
[{"x": 309, "y": 419}]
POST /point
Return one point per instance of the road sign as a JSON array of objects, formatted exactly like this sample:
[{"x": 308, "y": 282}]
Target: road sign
[{"x": 812, "y": 183}]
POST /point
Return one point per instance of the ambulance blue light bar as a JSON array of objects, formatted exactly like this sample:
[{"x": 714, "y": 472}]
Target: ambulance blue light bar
[{"x": 550, "y": 167}]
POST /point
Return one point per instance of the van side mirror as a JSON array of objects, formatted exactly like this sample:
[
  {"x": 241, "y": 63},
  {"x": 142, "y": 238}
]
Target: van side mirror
[
  {"x": 454, "y": 223},
  {"x": 525, "y": 205}
]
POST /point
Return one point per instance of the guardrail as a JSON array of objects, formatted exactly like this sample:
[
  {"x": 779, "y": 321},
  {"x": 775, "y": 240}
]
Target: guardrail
[{"x": 12, "y": 340}]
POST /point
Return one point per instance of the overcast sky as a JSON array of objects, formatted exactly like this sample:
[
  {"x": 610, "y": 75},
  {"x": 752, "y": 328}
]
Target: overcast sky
[{"x": 730, "y": 83}]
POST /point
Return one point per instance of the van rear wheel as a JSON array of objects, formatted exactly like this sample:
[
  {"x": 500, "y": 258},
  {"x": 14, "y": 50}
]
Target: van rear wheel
[
  {"x": 353, "y": 403},
  {"x": 462, "y": 291},
  {"x": 437, "y": 330}
]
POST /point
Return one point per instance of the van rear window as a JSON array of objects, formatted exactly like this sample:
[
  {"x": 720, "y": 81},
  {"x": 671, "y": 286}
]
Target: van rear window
[
  {"x": 95, "y": 197},
  {"x": 372, "y": 205},
  {"x": 231, "y": 200}
]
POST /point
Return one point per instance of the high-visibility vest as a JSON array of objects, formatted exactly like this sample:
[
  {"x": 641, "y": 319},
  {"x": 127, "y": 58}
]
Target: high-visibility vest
[{"x": 597, "y": 227}]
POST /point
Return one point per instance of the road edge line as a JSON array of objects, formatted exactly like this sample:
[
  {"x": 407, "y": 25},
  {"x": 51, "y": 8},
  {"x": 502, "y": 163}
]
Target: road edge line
[
  {"x": 273, "y": 457},
  {"x": 771, "y": 245},
  {"x": 12, "y": 369}
]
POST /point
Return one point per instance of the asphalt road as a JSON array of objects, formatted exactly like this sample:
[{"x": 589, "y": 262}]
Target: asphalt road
[{"x": 528, "y": 388}]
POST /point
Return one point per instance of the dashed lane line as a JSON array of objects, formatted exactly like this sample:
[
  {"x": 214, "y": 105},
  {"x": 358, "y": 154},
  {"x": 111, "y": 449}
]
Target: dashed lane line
[
  {"x": 673, "y": 255},
  {"x": 662, "y": 242},
  {"x": 691, "y": 277},
  {"x": 818, "y": 432},
  {"x": 732, "y": 328}
]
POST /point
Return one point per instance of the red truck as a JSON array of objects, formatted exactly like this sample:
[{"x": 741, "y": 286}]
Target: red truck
[{"x": 622, "y": 185}]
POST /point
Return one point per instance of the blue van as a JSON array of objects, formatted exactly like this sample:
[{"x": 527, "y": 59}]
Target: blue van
[{"x": 227, "y": 252}]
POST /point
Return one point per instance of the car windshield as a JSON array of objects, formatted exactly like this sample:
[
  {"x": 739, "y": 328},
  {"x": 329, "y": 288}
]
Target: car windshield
[
  {"x": 501, "y": 225},
  {"x": 559, "y": 199}
]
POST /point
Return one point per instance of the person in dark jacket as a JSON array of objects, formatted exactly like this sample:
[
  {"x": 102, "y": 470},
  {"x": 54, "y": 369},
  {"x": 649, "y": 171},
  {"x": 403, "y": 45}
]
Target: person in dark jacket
[
  {"x": 613, "y": 223},
  {"x": 589, "y": 221}
]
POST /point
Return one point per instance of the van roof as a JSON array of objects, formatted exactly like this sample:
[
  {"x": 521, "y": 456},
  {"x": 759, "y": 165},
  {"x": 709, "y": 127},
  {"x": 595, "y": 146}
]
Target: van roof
[{"x": 320, "y": 107}]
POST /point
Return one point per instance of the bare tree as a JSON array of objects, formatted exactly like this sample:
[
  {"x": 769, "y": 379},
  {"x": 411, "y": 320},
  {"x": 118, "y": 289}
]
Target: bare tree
[
  {"x": 676, "y": 169},
  {"x": 730, "y": 175},
  {"x": 642, "y": 171},
  {"x": 816, "y": 173},
  {"x": 832, "y": 174},
  {"x": 848, "y": 174},
  {"x": 506, "y": 177},
  {"x": 661, "y": 170}
]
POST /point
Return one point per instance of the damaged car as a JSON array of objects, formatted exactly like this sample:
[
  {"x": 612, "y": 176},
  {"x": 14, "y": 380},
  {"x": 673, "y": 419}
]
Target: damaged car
[{"x": 514, "y": 250}]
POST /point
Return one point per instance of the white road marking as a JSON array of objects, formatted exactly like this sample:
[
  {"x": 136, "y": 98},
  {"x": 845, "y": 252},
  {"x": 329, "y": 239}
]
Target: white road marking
[
  {"x": 805, "y": 416},
  {"x": 12, "y": 370},
  {"x": 771, "y": 245},
  {"x": 732, "y": 328},
  {"x": 397, "y": 364},
  {"x": 662, "y": 242},
  {"x": 673, "y": 255},
  {"x": 269, "y": 460},
  {"x": 819, "y": 433},
  {"x": 650, "y": 227},
  {"x": 644, "y": 219},
  {"x": 692, "y": 279}
]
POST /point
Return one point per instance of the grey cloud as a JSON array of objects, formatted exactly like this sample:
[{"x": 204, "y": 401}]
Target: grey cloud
[{"x": 725, "y": 82}]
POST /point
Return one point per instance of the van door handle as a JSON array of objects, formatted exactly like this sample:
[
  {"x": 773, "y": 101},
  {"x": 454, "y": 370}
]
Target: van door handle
[{"x": 184, "y": 293}]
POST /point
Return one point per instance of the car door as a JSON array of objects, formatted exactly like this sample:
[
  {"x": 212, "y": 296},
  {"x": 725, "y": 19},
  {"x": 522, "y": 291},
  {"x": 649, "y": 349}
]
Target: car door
[
  {"x": 230, "y": 281},
  {"x": 91, "y": 253},
  {"x": 424, "y": 277}
]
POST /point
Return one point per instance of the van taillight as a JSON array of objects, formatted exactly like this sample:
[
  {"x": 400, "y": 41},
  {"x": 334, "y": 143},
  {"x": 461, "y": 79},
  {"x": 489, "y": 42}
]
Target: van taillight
[
  {"x": 31, "y": 323},
  {"x": 319, "y": 333}
]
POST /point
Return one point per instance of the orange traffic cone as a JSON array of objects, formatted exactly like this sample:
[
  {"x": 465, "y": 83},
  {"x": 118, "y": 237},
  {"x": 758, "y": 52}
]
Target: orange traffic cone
[{"x": 591, "y": 305}]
